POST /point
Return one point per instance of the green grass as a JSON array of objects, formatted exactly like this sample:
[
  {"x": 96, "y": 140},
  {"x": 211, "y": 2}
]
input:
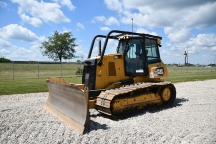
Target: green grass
[
  {"x": 190, "y": 69},
  {"x": 29, "y": 85},
  {"x": 31, "y": 78},
  {"x": 183, "y": 74},
  {"x": 17, "y": 71},
  {"x": 184, "y": 77}
]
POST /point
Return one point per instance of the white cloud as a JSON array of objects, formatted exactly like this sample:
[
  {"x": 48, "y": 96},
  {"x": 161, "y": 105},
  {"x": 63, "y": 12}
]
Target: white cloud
[
  {"x": 213, "y": 48},
  {"x": 81, "y": 52},
  {"x": 34, "y": 53},
  {"x": 111, "y": 46},
  {"x": 113, "y": 4},
  {"x": 167, "y": 13},
  {"x": 177, "y": 18},
  {"x": 16, "y": 53},
  {"x": 100, "y": 18},
  {"x": 33, "y": 21},
  {"x": 66, "y": 29},
  {"x": 19, "y": 33},
  {"x": 177, "y": 34},
  {"x": 202, "y": 16},
  {"x": 208, "y": 40},
  {"x": 107, "y": 21},
  {"x": 4, "y": 52},
  {"x": 198, "y": 44},
  {"x": 114, "y": 46},
  {"x": 14, "y": 31},
  {"x": 13, "y": 35},
  {"x": 45, "y": 11},
  {"x": 142, "y": 30},
  {"x": 67, "y": 3},
  {"x": 3, "y": 4},
  {"x": 111, "y": 21},
  {"x": 4, "y": 43},
  {"x": 80, "y": 26},
  {"x": 105, "y": 28}
]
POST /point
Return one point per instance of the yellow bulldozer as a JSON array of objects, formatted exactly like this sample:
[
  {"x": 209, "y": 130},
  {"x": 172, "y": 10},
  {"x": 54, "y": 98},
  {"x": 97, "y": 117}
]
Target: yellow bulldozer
[{"x": 113, "y": 84}]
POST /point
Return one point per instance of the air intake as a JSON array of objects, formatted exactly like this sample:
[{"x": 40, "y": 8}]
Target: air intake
[{"x": 111, "y": 69}]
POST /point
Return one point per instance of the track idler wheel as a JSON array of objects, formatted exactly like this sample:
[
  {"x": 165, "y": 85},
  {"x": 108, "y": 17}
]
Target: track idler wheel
[{"x": 168, "y": 95}]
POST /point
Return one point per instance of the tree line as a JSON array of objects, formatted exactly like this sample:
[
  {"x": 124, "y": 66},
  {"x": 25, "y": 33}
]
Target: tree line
[{"x": 2, "y": 59}]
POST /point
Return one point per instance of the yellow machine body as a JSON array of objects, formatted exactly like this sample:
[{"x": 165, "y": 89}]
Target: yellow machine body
[
  {"x": 113, "y": 84},
  {"x": 113, "y": 70}
]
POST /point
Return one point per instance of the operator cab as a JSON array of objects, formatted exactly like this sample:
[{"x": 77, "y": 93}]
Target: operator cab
[{"x": 138, "y": 53}]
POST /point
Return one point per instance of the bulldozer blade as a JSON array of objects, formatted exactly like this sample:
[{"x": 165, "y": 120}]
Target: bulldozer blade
[{"x": 68, "y": 103}]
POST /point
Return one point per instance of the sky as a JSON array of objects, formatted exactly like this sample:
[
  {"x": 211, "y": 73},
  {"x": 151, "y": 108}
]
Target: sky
[{"x": 184, "y": 25}]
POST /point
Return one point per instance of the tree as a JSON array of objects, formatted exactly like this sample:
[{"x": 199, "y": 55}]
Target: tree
[
  {"x": 78, "y": 61},
  {"x": 59, "y": 45},
  {"x": 2, "y": 59}
]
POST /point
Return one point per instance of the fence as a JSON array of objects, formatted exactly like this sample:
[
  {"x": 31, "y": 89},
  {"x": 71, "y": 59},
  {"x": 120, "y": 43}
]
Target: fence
[
  {"x": 190, "y": 69},
  {"x": 15, "y": 70}
]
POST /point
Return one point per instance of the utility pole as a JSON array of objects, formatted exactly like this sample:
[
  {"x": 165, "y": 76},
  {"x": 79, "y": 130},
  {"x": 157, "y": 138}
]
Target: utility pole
[
  {"x": 187, "y": 55},
  {"x": 132, "y": 24},
  {"x": 214, "y": 61}
]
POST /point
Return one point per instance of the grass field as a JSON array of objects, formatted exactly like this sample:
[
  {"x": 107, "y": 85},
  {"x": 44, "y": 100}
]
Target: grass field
[
  {"x": 29, "y": 70},
  {"x": 31, "y": 78},
  {"x": 183, "y": 74}
]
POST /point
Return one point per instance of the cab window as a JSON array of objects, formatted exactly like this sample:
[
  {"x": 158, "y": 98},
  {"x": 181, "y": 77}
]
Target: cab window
[{"x": 151, "y": 50}]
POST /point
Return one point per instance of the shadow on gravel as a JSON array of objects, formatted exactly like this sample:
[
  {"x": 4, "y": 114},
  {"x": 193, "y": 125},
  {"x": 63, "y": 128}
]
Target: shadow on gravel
[
  {"x": 94, "y": 126},
  {"x": 152, "y": 109},
  {"x": 179, "y": 101}
]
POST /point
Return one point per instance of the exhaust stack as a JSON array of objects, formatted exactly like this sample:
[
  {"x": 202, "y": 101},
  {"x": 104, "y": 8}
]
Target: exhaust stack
[{"x": 99, "y": 47}]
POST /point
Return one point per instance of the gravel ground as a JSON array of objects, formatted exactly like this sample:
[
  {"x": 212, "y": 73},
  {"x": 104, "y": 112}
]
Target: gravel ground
[{"x": 191, "y": 120}]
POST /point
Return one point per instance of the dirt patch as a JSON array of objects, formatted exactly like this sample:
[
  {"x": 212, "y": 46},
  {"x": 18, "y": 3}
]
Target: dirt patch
[{"x": 191, "y": 120}]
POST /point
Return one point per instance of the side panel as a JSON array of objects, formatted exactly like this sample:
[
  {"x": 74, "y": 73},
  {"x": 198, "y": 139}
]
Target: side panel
[{"x": 112, "y": 70}]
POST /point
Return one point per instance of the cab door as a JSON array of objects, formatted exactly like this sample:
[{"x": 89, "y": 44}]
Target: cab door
[{"x": 135, "y": 57}]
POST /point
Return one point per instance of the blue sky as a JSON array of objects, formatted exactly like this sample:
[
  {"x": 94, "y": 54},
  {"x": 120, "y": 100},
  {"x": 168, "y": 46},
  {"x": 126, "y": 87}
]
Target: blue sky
[{"x": 183, "y": 24}]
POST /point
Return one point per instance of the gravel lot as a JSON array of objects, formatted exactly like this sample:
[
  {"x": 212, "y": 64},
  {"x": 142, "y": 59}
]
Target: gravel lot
[{"x": 191, "y": 120}]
